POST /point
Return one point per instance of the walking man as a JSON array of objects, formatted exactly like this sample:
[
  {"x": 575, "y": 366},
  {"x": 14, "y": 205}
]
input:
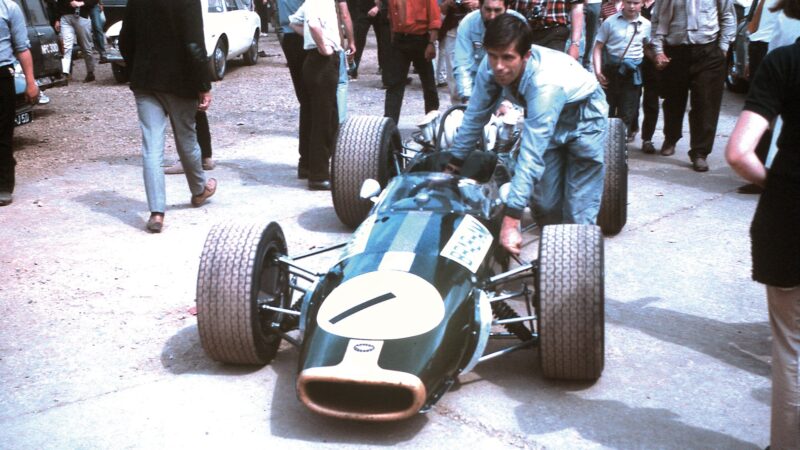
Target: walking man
[
  {"x": 163, "y": 46},
  {"x": 13, "y": 42},
  {"x": 690, "y": 40}
]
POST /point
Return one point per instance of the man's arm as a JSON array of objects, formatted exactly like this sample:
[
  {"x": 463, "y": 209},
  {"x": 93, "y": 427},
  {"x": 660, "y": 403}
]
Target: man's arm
[
  {"x": 31, "y": 88},
  {"x": 727, "y": 24},
  {"x": 434, "y": 23},
  {"x": 194, "y": 42},
  {"x": 597, "y": 62},
  {"x": 318, "y": 35},
  {"x": 348, "y": 30},
  {"x": 576, "y": 25},
  {"x": 479, "y": 110},
  {"x": 463, "y": 60}
]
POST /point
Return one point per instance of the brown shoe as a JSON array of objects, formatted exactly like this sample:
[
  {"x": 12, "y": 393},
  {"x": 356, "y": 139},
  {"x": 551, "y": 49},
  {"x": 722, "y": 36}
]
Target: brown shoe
[
  {"x": 699, "y": 164},
  {"x": 211, "y": 188},
  {"x": 155, "y": 223},
  {"x": 667, "y": 149},
  {"x": 209, "y": 164},
  {"x": 648, "y": 147},
  {"x": 174, "y": 169}
]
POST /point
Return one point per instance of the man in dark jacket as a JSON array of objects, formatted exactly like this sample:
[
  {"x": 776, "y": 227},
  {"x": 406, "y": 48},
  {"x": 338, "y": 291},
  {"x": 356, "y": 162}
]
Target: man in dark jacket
[{"x": 163, "y": 47}]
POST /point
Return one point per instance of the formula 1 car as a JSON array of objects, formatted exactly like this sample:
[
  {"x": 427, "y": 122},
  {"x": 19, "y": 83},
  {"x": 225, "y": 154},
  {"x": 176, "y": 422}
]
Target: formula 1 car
[
  {"x": 415, "y": 297},
  {"x": 354, "y": 160}
]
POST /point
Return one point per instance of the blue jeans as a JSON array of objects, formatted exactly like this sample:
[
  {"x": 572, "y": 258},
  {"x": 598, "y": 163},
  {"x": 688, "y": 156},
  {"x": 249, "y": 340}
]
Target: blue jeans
[
  {"x": 153, "y": 109},
  {"x": 571, "y": 186},
  {"x": 98, "y": 23}
]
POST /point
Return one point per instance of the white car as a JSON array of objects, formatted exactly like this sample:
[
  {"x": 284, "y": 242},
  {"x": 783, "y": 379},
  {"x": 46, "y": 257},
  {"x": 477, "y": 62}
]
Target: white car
[{"x": 231, "y": 30}]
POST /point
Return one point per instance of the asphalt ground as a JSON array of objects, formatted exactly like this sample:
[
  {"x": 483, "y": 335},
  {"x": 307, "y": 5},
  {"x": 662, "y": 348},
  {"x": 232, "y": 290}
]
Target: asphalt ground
[{"x": 98, "y": 348}]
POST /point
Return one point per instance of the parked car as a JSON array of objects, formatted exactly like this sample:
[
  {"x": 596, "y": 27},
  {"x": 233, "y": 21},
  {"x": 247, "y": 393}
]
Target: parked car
[
  {"x": 231, "y": 30},
  {"x": 736, "y": 76},
  {"x": 46, "y": 55}
]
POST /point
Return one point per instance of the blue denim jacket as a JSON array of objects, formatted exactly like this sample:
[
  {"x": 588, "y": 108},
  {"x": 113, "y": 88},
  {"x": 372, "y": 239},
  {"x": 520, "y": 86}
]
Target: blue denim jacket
[
  {"x": 562, "y": 100},
  {"x": 469, "y": 50}
]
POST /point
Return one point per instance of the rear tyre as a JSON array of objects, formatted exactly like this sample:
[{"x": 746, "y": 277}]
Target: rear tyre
[
  {"x": 238, "y": 273},
  {"x": 570, "y": 293},
  {"x": 614, "y": 204},
  {"x": 120, "y": 74},
  {"x": 364, "y": 149},
  {"x": 219, "y": 60},
  {"x": 251, "y": 55}
]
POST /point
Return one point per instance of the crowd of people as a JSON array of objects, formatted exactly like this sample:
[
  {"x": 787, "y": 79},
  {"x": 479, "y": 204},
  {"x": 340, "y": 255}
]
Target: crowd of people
[{"x": 634, "y": 53}]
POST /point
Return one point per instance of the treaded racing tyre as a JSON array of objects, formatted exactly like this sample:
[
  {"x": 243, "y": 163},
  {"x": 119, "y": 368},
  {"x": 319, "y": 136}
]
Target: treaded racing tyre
[
  {"x": 614, "y": 204},
  {"x": 364, "y": 149},
  {"x": 237, "y": 271},
  {"x": 571, "y": 321}
]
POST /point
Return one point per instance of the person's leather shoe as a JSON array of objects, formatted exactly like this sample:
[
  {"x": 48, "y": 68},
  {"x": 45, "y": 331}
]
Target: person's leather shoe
[
  {"x": 103, "y": 59},
  {"x": 750, "y": 188},
  {"x": 302, "y": 173},
  {"x": 89, "y": 77},
  {"x": 211, "y": 188},
  {"x": 699, "y": 164},
  {"x": 155, "y": 223},
  {"x": 209, "y": 164},
  {"x": 319, "y": 185},
  {"x": 174, "y": 169},
  {"x": 667, "y": 149},
  {"x": 631, "y": 137},
  {"x": 648, "y": 147},
  {"x": 5, "y": 198}
]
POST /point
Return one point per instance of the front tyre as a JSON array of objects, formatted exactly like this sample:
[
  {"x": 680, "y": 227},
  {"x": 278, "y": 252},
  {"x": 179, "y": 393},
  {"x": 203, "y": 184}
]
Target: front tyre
[
  {"x": 364, "y": 149},
  {"x": 238, "y": 273},
  {"x": 571, "y": 320}
]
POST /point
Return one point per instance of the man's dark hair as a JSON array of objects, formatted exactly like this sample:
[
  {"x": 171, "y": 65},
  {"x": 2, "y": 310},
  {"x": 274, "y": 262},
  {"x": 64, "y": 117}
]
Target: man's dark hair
[
  {"x": 507, "y": 29},
  {"x": 789, "y": 7},
  {"x": 505, "y": 3}
]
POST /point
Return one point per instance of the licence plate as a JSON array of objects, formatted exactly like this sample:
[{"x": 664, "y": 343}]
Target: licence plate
[{"x": 22, "y": 119}]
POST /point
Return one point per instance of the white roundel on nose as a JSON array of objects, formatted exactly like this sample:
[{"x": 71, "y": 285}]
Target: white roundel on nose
[{"x": 382, "y": 305}]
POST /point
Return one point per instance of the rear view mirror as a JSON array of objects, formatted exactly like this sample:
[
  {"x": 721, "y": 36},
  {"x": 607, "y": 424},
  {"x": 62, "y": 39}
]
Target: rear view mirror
[{"x": 370, "y": 189}]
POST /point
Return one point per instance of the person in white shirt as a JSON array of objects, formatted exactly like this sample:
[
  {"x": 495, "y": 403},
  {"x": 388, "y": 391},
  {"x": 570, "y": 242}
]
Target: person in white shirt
[{"x": 317, "y": 21}]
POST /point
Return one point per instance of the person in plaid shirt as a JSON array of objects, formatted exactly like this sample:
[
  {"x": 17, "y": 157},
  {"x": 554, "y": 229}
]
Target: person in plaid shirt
[{"x": 553, "y": 22}]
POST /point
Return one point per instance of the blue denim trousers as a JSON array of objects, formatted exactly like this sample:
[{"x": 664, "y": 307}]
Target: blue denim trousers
[
  {"x": 154, "y": 108},
  {"x": 98, "y": 23},
  {"x": 571, "y": 186},
  {"x": 341, "y": 88}
]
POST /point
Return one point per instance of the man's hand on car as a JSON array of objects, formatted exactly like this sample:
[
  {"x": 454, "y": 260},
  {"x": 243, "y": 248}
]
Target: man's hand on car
[{"x": 510, "y": 235}]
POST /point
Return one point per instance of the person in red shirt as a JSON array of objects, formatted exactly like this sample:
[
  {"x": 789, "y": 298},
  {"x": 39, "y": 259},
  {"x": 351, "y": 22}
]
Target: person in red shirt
[{"x": 415, "y": 25}]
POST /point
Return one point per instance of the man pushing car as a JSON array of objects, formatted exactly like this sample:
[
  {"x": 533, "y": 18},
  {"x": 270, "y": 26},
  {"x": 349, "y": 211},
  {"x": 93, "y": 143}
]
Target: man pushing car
[{"x": 560, "y": 162}]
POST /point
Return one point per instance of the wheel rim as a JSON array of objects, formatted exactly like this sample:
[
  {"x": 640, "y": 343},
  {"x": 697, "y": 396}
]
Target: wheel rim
[
  {"x": 271, "y": 289},
  {"x": 254, "y": 49},
  {"x": 219, "y": 61}
]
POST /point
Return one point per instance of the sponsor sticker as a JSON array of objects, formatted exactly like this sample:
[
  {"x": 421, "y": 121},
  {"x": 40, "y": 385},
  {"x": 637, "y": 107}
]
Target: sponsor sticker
[
  {"x": 381, "y": 305},
  {"x": 469, "y": 244}
]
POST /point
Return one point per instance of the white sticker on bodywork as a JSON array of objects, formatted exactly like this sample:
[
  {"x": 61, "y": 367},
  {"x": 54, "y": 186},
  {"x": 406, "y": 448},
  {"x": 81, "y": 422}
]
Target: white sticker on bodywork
[
  {"x": 381, "y": 306},
  {"x": 469, "y": 244}
]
